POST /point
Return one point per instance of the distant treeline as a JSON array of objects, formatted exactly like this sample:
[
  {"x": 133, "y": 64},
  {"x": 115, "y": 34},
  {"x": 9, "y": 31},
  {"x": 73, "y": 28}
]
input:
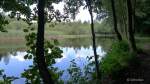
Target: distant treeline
[{"x": 70, "y": 28}]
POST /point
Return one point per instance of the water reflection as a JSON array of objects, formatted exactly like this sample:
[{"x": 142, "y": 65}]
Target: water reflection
[
  {"x": 78, "y": 53},
  {"x": 19, "y": 56},
  {"x": 85, "y": 42},
  {"x": 14, "y": 64}
]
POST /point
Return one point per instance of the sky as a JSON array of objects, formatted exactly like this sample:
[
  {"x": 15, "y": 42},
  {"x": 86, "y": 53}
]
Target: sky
[{"x": 82, "y": 16}]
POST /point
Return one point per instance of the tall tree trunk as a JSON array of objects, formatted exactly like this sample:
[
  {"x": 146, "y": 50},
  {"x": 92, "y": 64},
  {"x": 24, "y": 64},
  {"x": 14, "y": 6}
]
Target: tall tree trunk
[
  {"x": 130, "y": 26},
  {"x": 43, "y": 70},
  {"x": 133, "y": 14},
  {"x": 93, "y": 38},
  {"x": 115, "y": 20}
]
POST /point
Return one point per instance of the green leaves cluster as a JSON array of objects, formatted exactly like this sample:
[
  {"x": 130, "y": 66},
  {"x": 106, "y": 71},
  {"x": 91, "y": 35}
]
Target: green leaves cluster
[
  {"x": 117, "y": 59},
  {"x": 76, "y": 74},
  {"x": 15, "y": 7},
  {"x": 142, "y": 17},
  {"x": 72, "y": 7},
  {"x": 82, "y": 75},
  {"x": 18, "y": 5},
  {"x": 3, "y": 22},
  {"x": 52, "y": 51}
]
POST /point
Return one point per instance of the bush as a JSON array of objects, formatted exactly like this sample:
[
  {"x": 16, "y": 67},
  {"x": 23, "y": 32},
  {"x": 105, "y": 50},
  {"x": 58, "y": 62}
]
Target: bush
[{"x": 116, "y": 60}]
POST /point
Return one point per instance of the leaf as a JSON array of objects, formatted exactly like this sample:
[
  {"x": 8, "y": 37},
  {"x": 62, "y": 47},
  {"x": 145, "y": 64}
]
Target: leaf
[
  {"x": 32, "y": 29},
  {"x": 26, "y": 56},
  {"x": 56, "y": 42},
  {"x": 30, "y": 57},
  {"x": 25, "y": 30}
]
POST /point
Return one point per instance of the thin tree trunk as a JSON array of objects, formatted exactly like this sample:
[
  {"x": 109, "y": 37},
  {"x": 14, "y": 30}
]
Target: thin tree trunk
[
  {"x": 93, "y": 39},
  {"x": 115, "y": 20},
  {"x": 43, "y": 70},
  {"x": 130, "y": 26},
  {"x": 94, "y": 47}
]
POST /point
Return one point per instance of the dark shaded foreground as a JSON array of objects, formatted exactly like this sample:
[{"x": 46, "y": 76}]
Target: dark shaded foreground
[{"x": 138, "y": 71}]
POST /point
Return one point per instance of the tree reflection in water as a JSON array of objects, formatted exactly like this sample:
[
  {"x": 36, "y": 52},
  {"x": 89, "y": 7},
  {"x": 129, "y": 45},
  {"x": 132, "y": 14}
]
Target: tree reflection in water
[{"x": 13, "y": 62}]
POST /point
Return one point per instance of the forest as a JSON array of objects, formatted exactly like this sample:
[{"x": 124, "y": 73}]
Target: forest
[{"x": 74, "y": 41}]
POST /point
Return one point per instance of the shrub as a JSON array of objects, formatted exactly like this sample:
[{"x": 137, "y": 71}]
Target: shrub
[{"x": 116, "y": 60}]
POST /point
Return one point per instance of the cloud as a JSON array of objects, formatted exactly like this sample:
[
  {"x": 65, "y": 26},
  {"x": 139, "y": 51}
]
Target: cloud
[{"x": 19, "y": 56}]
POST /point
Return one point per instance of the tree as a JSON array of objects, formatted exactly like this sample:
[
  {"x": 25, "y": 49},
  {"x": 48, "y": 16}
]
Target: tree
[
  {"x": 115, "y": 20},
  {"x": 123, "y": 16},
  {"x": 116, "y": 16},
  {"x": 89, "y": 2},
  {"x": 72, "y": 8},
  {"x": 47, "y": 79},
  {"x": 23, "y": 8},
  {"x": 20, "y": 6},
  {"x": 7, "y": 6},
  {"x": 142, "y": 19},
  {"x": 130, "y": 26}
]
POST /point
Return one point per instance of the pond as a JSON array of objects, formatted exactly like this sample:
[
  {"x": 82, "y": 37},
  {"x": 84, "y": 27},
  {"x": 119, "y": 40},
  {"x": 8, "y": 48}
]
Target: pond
[{"x": 13, "y": 62}]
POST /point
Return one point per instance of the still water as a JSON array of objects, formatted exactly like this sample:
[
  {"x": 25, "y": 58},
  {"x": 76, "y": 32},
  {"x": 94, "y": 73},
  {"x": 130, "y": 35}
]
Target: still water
[{"x": 14, "y": 63}]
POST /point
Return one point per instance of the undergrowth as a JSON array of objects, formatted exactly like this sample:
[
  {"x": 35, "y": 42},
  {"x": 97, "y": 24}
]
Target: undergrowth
[{"x": 116, "y": 62}]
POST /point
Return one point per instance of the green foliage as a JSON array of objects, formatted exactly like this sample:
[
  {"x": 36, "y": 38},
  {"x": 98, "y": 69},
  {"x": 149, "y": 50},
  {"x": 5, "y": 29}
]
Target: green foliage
[
  {"x": 103, "y": 27},
  {"x": 142, "y": 17},
  {"x": 141, "y": 9},
  {"x": 73, "y": 28},
  {"x": 117, "y": 59},
  {"x": 6, "y": 79},
  {"x": 76, "y": 28},
  {"x": 76, "y": 75},
  {"x": 72, "y": 7},
  {"x": 7, "y": 5},
  {"x": 3, "y": 22},
  {"x": 51, "y": 53},
  {"x": 121, "y": 14},
  {"x": 82, "y": 75}
]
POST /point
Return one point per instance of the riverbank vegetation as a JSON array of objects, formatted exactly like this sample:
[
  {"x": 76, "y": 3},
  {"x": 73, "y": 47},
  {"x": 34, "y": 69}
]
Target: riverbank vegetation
[{"x": 114, "y": 66}]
